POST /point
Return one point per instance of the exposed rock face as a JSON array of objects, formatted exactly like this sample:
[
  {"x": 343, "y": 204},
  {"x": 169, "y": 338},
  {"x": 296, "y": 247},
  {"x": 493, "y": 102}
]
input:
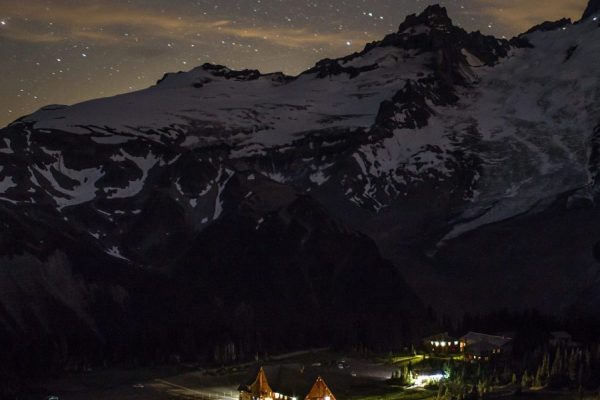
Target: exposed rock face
[
  {"x": 593, "y": 9},
  {"x": 550, "y": 26},
  {"x": 233, "y": 196}
]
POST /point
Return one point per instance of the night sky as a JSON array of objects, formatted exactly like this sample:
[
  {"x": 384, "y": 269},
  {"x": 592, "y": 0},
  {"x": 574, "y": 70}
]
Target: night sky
[{"x": 65, "y": 51}]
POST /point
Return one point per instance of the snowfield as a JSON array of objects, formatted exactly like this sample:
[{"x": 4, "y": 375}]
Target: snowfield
[{"x": 518, "y": 135}]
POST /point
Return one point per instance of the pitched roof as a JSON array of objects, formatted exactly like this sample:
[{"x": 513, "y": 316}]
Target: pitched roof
[
  {"x": 476, "y": 337},
  {"x": 444, "y": 336},
  {"x": 560, "y": 335},
  {"x": 260, "y": 386},
  {"x": 320, "y": 391},
  {"x": 480, "y": 348},
  {"x": 286, "y": 380}
]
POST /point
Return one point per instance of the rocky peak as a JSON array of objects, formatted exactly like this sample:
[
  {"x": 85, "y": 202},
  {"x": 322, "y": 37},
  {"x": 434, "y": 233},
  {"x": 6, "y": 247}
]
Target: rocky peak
[
  {"x": 433, "y": 30},
  {"x": 223, "y": 71},
  {"x": 593, "y": 8},
  {"x": 550, "y": 26},
  {"x": 433, "y": 16}
]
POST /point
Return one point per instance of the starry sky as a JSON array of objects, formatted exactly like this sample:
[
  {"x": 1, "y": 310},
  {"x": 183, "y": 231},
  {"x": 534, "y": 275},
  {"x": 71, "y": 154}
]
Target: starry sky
[{"x": 66, "y": 51}]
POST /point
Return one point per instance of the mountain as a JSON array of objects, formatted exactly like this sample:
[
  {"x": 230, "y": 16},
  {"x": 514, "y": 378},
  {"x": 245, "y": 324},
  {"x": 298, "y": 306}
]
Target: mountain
[
  {"x": 167, "y": 218},
  {"x": 592, "y": 10}
]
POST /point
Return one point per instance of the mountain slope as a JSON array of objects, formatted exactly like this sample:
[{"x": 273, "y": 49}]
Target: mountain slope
[{"x": 452, "y": 151}]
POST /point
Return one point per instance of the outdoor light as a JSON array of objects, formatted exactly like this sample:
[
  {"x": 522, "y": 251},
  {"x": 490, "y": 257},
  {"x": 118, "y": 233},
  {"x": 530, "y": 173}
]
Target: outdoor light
[{"x": 422, "y": 380}]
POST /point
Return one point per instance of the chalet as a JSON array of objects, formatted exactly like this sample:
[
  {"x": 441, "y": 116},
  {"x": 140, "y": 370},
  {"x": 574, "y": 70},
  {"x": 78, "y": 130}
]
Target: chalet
[
  {"x": 483, "y": 347},
  {"x": 320, "y": 391},
  {"x": 442, "y": 343},
  {"x": 285, "y": 384},
  {"x": 259, "y": 389}
]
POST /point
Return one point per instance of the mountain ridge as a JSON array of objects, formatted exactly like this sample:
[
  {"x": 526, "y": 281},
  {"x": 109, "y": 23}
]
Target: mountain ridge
[{"x": 425, "y": 149}]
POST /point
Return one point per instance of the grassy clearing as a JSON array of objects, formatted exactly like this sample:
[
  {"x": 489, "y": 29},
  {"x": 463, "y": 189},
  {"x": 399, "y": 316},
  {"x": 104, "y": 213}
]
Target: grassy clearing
[
  {"x": 401, "y": 360},
  {"x": 386, "y": 391}
]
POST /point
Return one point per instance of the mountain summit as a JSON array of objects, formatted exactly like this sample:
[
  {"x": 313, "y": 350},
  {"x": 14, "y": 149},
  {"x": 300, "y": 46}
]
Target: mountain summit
[{"x": 433, "y": 16}]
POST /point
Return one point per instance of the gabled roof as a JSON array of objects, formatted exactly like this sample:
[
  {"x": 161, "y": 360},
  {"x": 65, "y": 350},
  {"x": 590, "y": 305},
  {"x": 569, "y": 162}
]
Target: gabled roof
[
  {"x": 480, "y": 348},
  {"x": 320, "y": 391},
  {"x": 260, "y": 387},
  {"x": 287, "y": 380},
  {"x": 476, "y": 337},
  {"x": 560, "y": 335},
  {"x": 444, "y": 336}
]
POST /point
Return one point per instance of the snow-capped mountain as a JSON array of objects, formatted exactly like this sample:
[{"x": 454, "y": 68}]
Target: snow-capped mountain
[{"x": 433, "y": 142}]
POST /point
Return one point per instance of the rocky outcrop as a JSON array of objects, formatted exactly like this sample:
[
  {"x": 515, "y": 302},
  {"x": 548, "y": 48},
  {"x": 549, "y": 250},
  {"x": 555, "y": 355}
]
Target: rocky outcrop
[
  {"x": 592, "y": 9},
  {"x": 550, "y": 26}
]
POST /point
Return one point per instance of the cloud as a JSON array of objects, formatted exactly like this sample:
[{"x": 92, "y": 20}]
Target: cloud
[
  {"x": 116, "y": 24},
  {"x": 518, "y": 16},
  {"x": 19, "y": 34}
]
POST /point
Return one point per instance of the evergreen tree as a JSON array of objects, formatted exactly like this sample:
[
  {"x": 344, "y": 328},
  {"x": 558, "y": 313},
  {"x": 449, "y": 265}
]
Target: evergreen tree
[
  {"x": 441, "y": 392},
  {"x": 406, "y": 376},
  {"x": 474, "y": 395},
  {"x": 557, "y": 364},
  {"x": 538, "y": 377},
  {"x": 525, "y": 380},
  {"x": 545, "y": 373},
  {"x": 574, "y": 361}
]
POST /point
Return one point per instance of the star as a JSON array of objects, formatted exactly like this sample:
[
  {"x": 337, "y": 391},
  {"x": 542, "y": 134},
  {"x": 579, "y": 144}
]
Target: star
[{"x": 141, "y": 38}]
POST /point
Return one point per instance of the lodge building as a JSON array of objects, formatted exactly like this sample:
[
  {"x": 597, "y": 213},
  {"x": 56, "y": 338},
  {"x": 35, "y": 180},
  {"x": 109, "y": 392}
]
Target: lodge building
[
  {"x": 483, "y": 347},
  {"x": 474, "y": 346},
  {"x": 441, "y": 343}
]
